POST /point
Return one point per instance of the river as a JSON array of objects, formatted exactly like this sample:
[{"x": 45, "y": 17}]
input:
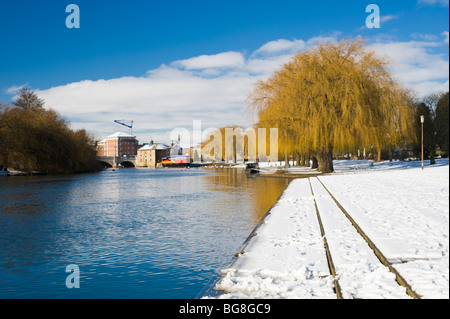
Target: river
[{"x": 132, "y": 233}]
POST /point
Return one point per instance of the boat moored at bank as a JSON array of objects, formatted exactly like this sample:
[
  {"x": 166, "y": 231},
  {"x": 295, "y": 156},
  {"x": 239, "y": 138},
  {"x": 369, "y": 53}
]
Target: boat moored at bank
[
  {"x": 252, "y": 168},
  {"x": 175, "y": 161}
]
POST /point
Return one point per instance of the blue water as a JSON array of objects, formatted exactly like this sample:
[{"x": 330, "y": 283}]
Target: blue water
[{"x": 133, "y": 233}]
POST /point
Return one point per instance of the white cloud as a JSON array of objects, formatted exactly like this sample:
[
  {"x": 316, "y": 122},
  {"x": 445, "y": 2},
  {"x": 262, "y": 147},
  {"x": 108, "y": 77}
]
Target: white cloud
[
  {"x": 388, "y": 17},
  {"x": 282, "y": 45},
  {"x": 323, "y": 39},
  {"x": 221, "y": 60},
  {"x": 445, "y": 34},
  {"x": 266, "y": 66},
  {"x": 431, "y": 87},
  {"x": 15, "y": 88},
  {"x": 414, "y": 64},
  {"x": 424, "y": 37},
  {"x": 213, "y": 88},
  {"x": 164, "y": 99}
]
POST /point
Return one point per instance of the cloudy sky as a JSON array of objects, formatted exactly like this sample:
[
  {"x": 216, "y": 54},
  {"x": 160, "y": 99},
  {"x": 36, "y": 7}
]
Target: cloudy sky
[{"x": 164, "y": 64}]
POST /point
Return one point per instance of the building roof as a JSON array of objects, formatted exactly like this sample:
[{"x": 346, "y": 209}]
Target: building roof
[
  {"x": 145, "y": 148},
  {"x": 121, "y": 134},
  {"x": 159, "y": 146},
  {"x": 156, "y": 146}
]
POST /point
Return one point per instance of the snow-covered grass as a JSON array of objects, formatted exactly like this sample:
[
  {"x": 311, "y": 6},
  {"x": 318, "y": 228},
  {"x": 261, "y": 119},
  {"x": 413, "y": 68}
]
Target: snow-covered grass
[{"x": 403, "y": 209}]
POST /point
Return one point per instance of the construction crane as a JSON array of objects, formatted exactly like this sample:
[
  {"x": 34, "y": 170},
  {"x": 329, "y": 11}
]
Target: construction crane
[{"x": 128, "y": 124}]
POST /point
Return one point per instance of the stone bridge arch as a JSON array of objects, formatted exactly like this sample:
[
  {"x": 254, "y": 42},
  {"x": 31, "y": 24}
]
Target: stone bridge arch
[{"x": 115, "y": 161}]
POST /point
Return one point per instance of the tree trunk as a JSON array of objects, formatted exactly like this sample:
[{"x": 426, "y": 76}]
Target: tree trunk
[
  {"x": 297, "y": 159},
  {"x": 315, "y": 163},
  {"x": 432, "y": 157},
  {"x": 286, "y": 159},
  {"x": 326, "y": 161},
  {"x": 379, "y": 155},
  {"x": 307, "y": 158}
]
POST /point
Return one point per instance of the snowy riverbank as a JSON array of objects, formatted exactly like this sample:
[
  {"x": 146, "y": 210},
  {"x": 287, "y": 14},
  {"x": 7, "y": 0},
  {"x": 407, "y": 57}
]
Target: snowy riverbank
[{"x": 402, "y": 209}]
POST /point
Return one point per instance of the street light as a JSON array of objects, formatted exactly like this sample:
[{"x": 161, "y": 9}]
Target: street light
[{"x": 422, "y": 120}]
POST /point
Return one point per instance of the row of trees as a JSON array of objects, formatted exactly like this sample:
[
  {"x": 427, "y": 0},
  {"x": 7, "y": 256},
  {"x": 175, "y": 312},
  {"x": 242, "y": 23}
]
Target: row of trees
[
  {"x": 338, "y": 99},
  {"x": 36, "y": 139},
  {"x": 435, "y": 109}
]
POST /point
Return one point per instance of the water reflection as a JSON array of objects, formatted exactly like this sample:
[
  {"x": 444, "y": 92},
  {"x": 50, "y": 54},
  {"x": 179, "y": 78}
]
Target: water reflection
[
  {"x": 133, "y": 233},
  {"x": 262, "y": 192}
]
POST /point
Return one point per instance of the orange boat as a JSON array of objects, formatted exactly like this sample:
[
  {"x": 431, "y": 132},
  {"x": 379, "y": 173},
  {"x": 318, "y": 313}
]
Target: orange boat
[{"x": 175, "y": 161}]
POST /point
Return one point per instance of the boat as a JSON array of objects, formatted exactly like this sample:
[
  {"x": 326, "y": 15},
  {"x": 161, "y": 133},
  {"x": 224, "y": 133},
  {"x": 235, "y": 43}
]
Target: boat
[
  {"x": 3, "y": 171},
  {"x": 175, "y": 161},
  {"x": 252, "y": 168}
]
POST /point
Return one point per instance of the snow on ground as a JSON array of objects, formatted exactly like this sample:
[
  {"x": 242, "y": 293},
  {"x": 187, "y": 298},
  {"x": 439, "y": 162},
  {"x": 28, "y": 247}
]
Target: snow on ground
[
  {"x": 361, "y": 275},
  {"x": 286, "y": 259},
  {"x": 403, "y": 209}
]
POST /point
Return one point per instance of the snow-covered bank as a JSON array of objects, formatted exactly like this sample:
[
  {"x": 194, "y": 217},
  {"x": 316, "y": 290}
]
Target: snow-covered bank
[
  {"x": 404, "y": 210},
  {"x": 286, "y": 259}
]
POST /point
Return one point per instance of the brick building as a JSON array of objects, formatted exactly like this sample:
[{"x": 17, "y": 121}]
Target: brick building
[{"x": 119, "y": 144}]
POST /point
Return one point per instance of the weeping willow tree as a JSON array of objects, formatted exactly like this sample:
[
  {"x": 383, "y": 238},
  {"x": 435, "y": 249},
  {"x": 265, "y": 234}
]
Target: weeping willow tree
[{"x": 334, "y": 98}]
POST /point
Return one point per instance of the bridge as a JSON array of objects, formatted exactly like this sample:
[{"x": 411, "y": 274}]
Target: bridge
[{"x": 115, "y": 161}]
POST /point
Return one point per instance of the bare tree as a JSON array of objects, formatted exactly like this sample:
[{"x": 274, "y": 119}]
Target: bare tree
[{"x": 28, "y": 99}]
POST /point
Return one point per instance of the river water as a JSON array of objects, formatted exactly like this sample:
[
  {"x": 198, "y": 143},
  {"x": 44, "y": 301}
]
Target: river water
[{"x": 132, "y": 233}]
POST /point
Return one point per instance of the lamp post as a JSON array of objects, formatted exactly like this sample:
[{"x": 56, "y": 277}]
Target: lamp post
[{"x": 422, "y": 120}]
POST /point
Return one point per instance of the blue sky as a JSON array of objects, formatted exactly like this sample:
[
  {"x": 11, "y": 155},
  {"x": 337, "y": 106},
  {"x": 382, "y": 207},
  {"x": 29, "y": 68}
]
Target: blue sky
[{"x": 122, "y": 43}]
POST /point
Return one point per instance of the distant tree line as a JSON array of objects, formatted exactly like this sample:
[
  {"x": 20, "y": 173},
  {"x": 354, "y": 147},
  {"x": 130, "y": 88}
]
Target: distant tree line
[
  {"x": 33, "y": 138},
  {"x": 435, "y": 109}
]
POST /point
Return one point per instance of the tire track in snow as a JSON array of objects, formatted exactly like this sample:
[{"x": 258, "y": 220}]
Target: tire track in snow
[
  {"x": 337, "y": 288},
  {"x": 356, "y": 257},
  {"x": 286, "y": 259}
]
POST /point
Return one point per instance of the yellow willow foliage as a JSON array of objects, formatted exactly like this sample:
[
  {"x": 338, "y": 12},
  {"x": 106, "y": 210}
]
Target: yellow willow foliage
[{"x": 334, "y": 97}]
